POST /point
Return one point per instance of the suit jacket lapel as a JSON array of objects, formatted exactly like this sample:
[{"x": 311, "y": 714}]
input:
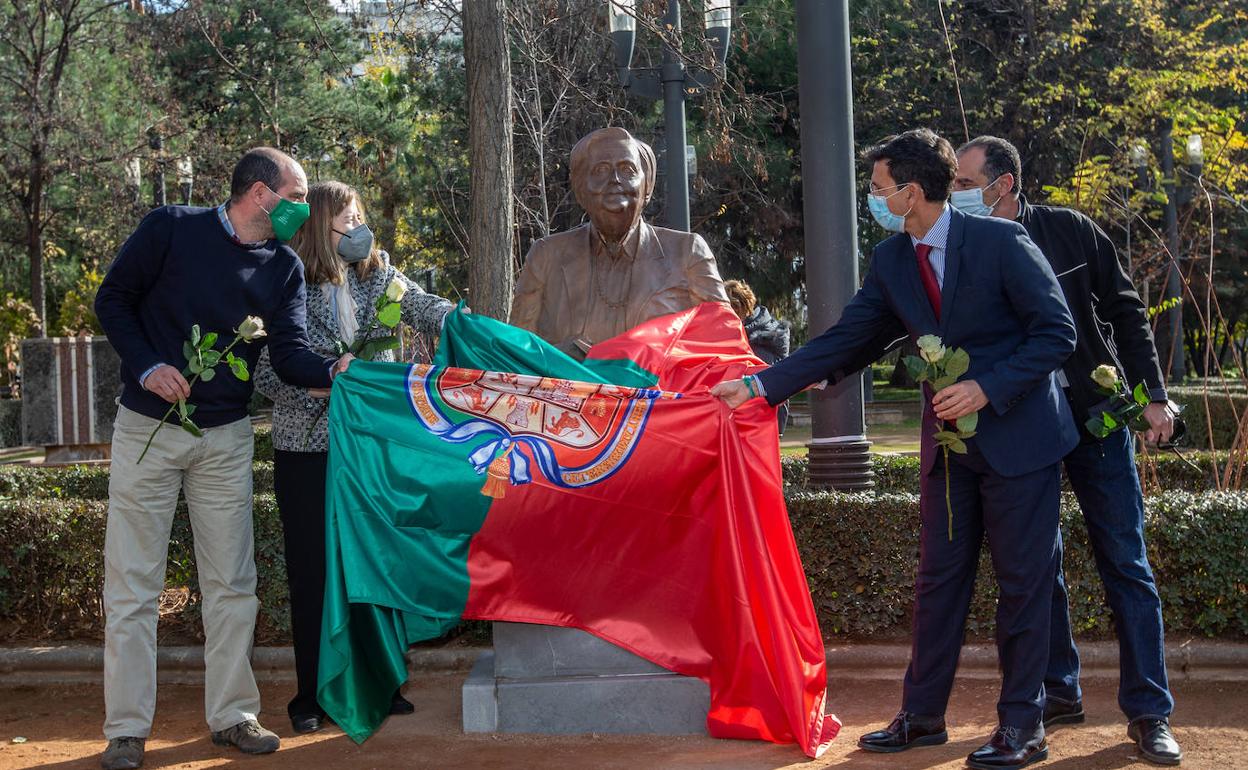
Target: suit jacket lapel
[{"x": 953, "y": 263}]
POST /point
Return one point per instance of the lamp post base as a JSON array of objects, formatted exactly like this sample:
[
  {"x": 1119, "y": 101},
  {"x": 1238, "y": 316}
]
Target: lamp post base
[{"x": 842, "y": 463}]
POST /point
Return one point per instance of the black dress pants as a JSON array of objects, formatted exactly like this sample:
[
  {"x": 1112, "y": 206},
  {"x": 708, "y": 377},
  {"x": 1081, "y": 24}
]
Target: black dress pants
[{"x": 299, "y": 485}]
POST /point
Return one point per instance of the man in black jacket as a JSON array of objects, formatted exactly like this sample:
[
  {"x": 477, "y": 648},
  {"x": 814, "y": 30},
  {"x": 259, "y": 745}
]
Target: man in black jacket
[{"x": 1113, "y": 329}]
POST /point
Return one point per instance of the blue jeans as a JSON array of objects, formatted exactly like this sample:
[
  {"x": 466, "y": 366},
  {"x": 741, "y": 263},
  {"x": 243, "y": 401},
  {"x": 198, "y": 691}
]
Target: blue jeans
[{"x": 1104, "y": 479}]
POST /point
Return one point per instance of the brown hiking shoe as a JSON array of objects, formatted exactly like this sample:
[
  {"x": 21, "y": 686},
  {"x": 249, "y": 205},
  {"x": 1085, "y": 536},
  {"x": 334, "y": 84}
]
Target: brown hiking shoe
[
  {"x": 249, "y": 737},
  {"x": 123, "y": 754}
]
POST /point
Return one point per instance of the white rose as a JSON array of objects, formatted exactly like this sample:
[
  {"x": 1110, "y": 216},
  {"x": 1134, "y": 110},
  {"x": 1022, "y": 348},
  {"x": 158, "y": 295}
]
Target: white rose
[
  {"x": 1106, "y": 376},
  {"x": 251, "y": 328},
  {"x": 395, "y": 290},
  {"x": 930, "y": 348}
]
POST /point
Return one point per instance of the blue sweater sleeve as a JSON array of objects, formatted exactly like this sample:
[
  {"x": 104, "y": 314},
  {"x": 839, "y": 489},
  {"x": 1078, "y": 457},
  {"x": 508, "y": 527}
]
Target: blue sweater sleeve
[
  {"x": 1037, "y": 298},
  {"x": 134, "y": 270},
  {"x": 290, "y": 353}
]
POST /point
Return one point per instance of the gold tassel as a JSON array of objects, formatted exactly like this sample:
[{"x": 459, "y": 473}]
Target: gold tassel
[{"x": 498, "y": 476}]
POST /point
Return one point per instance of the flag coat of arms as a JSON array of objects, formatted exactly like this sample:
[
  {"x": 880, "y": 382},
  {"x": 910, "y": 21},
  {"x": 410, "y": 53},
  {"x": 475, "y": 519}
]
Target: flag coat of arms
[{"x": 507, "y": 481}]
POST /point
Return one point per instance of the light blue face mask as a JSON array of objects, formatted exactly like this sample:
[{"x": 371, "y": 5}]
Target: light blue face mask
[
  {"x": 972, "y": 201},
  {"x": 878, "y": 206}
]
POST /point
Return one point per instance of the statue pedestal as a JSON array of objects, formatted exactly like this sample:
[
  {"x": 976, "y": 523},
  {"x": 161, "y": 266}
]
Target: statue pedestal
[{"x": 560, "y": 681}]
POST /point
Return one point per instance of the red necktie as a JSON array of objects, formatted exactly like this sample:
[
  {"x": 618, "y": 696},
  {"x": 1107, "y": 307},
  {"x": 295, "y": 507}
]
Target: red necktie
[{"x": 928, "y": 276}]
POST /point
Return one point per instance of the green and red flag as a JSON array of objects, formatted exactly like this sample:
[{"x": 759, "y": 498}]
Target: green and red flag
[{"x": 508, "y": 481}]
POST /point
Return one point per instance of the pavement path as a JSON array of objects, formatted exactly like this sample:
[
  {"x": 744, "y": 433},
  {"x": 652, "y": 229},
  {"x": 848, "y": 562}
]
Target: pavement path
[{"x": 61, "y": 725}]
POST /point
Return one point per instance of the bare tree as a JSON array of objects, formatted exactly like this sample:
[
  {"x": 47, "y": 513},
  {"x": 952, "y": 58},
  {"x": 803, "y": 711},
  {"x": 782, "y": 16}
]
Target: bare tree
[{"x": 490, "y": 227}]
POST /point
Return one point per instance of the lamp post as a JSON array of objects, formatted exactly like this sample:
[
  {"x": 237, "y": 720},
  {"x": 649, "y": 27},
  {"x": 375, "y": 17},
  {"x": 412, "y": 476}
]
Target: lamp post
[
  {"x": 673, "y": 83},
  {"x": 156, "y": 142},
  {"x": 839, "y": 451},
  {"x": 186, "y": 178},
  {"x": 1170, "y": 330}
]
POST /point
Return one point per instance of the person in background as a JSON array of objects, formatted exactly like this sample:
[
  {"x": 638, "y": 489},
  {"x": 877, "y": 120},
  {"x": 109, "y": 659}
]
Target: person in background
[
  {"x": 768, "y": 336},
  {"x": 346, "y": 274},
  {"x": 1113, "y": 329},
  {"x": 182, "y": 267}
]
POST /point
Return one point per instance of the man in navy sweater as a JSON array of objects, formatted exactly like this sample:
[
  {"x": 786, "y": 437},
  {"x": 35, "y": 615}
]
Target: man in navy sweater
[
  {"x": 181, "y": 267},
  {"x": 983, "y": 286}
]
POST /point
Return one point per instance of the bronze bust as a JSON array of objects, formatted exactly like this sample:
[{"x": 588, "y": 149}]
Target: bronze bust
[{"x": 601, "y": 279}]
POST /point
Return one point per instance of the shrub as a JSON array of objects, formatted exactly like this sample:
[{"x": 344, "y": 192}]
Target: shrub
[
  {"x": 10, "y": 422},
  {"x": 1159, "y": 471},
  {"x": 860, "y": 552},
  {"x": 52, "y": 569},
  {"x": 77, "y": 314},
  {"x": 86, "y": 482},
  {"x": 1220, "y": 413},
  {"x": 17, "y": 322}
]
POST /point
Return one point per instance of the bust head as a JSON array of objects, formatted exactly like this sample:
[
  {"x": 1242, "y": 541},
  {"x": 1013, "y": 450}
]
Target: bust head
[{"x": 613, "y": 178}]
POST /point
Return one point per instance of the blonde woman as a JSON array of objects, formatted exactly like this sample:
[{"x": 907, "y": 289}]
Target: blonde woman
[{"x": 345, "y": 273}]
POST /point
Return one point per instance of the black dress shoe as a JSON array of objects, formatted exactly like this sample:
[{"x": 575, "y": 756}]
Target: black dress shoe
[
  {"x": 1010, "y": 747},
  {"x": 1155, "y": 741},
  {"x": 400, "y": 705},
  {"x": 905, "y": 732},
  {"x": 1062, "y": 712},
  {"x": 303, "y": 724}
]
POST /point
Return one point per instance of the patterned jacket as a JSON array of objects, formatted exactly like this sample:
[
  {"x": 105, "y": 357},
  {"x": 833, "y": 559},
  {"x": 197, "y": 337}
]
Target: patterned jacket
[{"x": 293, "y": 409}]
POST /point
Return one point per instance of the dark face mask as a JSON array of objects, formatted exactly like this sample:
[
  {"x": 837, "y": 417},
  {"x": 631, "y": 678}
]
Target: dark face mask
[{"x": 356, "y": 244}]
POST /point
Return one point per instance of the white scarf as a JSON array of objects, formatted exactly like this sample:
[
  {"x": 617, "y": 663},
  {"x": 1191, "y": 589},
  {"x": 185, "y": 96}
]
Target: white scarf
[{"x": 339, "y": 297}]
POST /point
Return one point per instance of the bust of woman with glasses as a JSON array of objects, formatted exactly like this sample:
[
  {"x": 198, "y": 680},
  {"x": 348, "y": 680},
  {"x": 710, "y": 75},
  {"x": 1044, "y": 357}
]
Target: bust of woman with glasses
[{"x": 600, "y": 279}]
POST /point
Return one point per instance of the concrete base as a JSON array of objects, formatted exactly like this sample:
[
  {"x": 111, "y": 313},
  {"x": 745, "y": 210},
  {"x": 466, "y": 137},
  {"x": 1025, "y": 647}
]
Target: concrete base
[{"x": 560, "y": 681}]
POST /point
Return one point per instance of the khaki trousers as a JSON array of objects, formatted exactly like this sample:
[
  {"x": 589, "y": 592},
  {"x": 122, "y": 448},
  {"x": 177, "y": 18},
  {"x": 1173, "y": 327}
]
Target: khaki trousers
[{"x": 214, "y": 473}]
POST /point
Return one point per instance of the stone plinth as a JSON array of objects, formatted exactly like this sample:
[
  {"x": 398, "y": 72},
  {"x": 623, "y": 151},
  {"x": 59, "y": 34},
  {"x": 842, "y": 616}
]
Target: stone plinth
[
  {"x": 70, "y": 387},
  {"x": 544, "y": 679}
]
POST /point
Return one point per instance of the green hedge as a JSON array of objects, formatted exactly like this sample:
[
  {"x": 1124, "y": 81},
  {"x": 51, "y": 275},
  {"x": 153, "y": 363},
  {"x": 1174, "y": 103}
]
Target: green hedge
[
  {"x": 52, "y": 569},
  {"x": 1160, "y": 472},
  {"x": 860, "y": 553},
  {"x": 87, "y": 482},
  {"x": 10, "y": 422},
  {"x": 1222, "y": 408}
]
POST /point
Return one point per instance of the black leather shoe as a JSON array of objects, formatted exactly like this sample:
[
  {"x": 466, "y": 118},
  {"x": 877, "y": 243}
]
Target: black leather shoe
[
  {"x": 400, "y": 705},
  {"x": 905, "y": 732},
  {"x": 1062, "y": 712},
  {"x": 303, "y": 724},
  {"x": 1155, "y": 741},
  {"x": 1010, "y": 747}
]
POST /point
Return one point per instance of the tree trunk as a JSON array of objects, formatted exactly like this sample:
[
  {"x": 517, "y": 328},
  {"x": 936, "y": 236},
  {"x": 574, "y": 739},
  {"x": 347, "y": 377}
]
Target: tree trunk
[
  {"x": 34, "y": 240},
  {"x": 490, "y": 229}
]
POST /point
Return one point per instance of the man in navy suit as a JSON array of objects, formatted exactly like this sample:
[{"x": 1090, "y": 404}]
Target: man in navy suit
[{"x": 981, "y": 285}]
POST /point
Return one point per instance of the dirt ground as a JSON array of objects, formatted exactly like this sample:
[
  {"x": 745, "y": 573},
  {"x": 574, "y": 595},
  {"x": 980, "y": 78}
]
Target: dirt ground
[{"x": 61, "y": 725}]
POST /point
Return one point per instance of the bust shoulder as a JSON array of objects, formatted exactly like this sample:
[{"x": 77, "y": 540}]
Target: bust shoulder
[
  {"x": 684, "y": 245},
  {"x": 560, "y": 243}
]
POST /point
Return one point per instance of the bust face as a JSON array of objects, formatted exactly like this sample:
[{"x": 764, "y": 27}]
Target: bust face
[{"x": 612, "y": 191}]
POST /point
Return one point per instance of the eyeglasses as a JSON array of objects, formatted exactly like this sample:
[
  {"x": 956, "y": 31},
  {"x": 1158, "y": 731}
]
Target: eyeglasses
[{"x": 873, "y": 190}]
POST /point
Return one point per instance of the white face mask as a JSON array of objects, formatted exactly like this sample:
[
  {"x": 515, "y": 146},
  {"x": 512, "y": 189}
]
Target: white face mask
[
  {"x": 972, "y": 201},
  {"x": 878, "y": 206}
]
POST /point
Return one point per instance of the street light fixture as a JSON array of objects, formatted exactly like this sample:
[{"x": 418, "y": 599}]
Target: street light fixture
[
  {"x": 1195, "y": 150},
  {"x": 622, "y": 18},
  {"x": 673, "y": 83},
  {"x": 186, "y": 178},
  {"x": 718, "y": 16}
]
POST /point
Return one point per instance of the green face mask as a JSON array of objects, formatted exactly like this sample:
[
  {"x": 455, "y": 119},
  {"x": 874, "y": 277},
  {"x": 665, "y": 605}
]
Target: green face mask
[{"x": 287, "y": 217}]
